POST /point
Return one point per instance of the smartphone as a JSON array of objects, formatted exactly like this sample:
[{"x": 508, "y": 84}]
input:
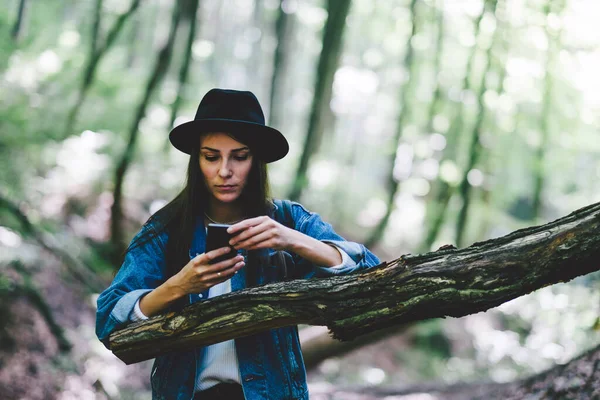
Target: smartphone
[{"x": 217, "y": 237}]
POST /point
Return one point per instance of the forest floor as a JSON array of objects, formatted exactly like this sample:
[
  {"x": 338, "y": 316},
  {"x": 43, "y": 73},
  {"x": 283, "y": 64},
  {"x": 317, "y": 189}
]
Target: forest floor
[{"x": 33, "y": 366}]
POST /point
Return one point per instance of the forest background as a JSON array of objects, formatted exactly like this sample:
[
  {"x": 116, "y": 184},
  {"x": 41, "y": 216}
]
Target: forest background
[{"x": 412, "y": 124}]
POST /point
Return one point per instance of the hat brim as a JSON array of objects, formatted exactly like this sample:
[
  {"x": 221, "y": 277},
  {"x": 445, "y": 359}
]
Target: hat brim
[{"x": 267, "y": 143}]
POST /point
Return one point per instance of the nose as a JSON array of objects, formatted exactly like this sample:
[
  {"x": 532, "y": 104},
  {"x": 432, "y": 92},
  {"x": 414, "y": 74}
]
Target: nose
[{"x": 225, "y": 170}]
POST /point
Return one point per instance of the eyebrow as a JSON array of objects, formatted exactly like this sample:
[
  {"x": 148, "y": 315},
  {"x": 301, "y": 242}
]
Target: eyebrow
[{"x": 218, "y": 151}]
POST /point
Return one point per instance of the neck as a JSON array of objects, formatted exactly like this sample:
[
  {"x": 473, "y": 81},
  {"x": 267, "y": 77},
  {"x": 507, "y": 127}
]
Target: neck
[{"x": 223, "y": 213}]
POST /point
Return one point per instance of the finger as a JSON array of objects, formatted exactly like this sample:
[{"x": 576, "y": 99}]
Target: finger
[
  {"x": 255, "y": 240},
  {"x": 211, "y": 255},
  {"x": 246, "y": 234},
  {"x": 245, "y": 224},
  {"x": 221, "y": 276},
  {"x": 223, "y": 265}
]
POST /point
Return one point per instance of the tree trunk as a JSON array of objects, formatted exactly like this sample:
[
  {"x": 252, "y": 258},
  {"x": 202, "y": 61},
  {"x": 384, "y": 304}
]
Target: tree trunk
[
  {"x": 393, "y": 183},
  {"x": 284, "y": 27},
  {"x": 192, "y": 10},
  {"x": 160, "y": 67},
  {"x": 447, "y": 282},
  {"x": 133, "y": 40},
  {"x": 255, "y": 63},
  {"x": 442, "y": 190},
  {"x": 439, "y": 51},
  {"x": 17, "y": 28},
  {"x": 93, "y": 62},
  {"x": 539, "y": 171},
  {"x": 337, "y": 11},
  {"x": 475, "y": 148},
  {"x": 96, "y": 28}
]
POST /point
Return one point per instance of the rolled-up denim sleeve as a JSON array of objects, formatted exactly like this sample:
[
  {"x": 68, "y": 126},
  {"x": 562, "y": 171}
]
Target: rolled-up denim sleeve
[
  {"x": 311, "y": 224},
  {"x": 136, "y": 313},
  {"x": 347, "y": 262},
  {"x": 143, "y": 270}
]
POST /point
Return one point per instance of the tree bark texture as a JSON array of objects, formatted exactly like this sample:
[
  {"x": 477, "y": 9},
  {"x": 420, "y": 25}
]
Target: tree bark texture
[{"x": 447, "y": 282}]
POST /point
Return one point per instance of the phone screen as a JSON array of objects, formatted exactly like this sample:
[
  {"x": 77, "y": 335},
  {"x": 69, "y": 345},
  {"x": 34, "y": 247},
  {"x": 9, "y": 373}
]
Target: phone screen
[{"x": 217, "y": 237}]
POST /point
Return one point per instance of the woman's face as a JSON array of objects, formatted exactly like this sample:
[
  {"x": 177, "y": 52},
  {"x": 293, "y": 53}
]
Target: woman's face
[{"x": 225, "y": 164}]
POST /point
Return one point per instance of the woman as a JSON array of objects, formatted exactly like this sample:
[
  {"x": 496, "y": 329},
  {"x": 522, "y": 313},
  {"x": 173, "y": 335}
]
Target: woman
[{"x": 166, "y": 266}]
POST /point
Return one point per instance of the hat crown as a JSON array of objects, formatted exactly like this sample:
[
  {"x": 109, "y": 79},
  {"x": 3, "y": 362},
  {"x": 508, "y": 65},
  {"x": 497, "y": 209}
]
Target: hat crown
[
  {"x": 229, "y": 104},
  {"x": 237, "y": 113}
]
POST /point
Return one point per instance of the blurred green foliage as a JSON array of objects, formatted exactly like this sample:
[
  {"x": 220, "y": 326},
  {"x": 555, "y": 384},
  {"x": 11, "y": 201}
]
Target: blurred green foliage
[{"x": 63, "y": 181}]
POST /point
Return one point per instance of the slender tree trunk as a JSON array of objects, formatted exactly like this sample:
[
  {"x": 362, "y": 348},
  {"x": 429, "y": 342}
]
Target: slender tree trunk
[
  {"x": 545, "y": 117},
  {"x": 133, "y": 40},
  {"x": 438, "y": 52},
  {"x": 328, "y": 62},
  {"x": 475, "y": 148},
  {"x": 255, "y": 65},
  {"x": 488, "y": 167},
  {"x": 17, "y": 28},
  {"x": 93, "y": 62},
  {"x": 284, "y": 27},
  {"x": 160, "y": 67},
  {"x": 192, "y": 10},
  {"x": 95, "y": 39},
  {"x": 393, "y": 183},
  {"x": 442, "y": 190}
]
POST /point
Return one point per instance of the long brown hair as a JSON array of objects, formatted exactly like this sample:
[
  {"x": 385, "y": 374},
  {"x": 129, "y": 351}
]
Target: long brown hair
[{"x": 179, "y": 217}]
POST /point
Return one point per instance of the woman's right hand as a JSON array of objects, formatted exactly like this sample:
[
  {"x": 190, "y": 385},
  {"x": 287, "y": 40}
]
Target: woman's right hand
[
  {"x": 195, "y": 277},
  {"x": 199, "y": 274}
]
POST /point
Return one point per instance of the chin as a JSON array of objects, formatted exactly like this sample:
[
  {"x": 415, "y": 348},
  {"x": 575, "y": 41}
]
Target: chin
[{"x": 227, "y": 197}]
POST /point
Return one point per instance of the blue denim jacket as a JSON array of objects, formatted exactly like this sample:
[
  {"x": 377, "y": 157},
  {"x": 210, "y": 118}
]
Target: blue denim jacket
[{"x": 270, "y": 362}]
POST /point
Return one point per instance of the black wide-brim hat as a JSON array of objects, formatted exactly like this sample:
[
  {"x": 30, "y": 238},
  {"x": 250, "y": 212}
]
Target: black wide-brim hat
[{"x": 237, "y": 113}]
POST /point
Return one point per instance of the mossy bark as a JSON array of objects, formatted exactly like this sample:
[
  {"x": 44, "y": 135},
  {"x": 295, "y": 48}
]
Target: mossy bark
[{"x": 447, "y": 282}]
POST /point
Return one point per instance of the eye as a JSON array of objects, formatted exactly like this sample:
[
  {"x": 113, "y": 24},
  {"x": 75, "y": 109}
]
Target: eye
[
  {"x": 210, "y": 158},
  {"x": 241, "y": 157}
]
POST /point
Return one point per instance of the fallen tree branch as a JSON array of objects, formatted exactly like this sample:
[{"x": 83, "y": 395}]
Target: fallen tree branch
[
  {"x": 318, "y": 345},
  {"x": 448, "y": 282}
]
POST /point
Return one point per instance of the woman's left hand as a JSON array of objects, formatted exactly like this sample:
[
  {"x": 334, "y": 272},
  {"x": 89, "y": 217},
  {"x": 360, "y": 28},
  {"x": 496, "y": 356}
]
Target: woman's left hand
[{"x": 261, "y": 233}]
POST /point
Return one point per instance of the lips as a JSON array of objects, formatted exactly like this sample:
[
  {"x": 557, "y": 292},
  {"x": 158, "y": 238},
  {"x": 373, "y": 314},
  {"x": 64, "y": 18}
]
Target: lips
[{"x": 226, "y": 188}]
